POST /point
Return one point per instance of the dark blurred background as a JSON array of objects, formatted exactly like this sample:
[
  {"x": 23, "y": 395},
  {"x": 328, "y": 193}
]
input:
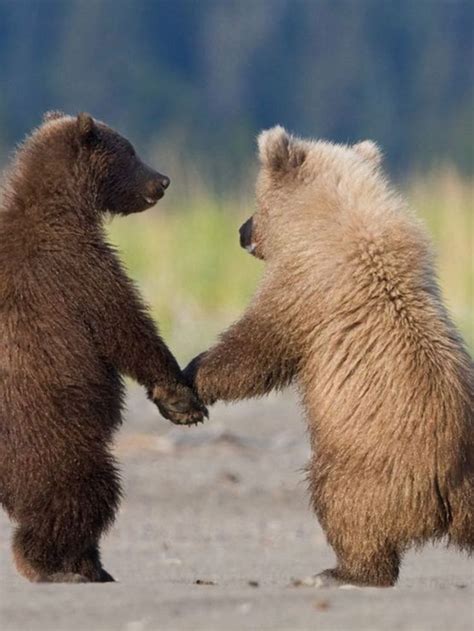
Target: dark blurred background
[
  {"x": 192, "y": 82},
  {"x": 206, "y": 75}
]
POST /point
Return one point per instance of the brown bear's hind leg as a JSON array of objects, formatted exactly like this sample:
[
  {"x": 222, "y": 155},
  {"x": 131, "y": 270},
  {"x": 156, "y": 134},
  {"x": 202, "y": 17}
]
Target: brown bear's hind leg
[
  {"x": 41, "y": 564},
  {"x": 58, "y": 532}
]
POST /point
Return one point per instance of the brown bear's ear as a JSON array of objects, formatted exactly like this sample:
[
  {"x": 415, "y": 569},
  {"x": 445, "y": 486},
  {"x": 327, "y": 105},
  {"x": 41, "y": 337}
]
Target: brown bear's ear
[
  {"x": 52, "y": 115},
  {"x": 369, "y": 150},
  {"x": 86, "y": 127},
  {"x": 279, "y": 151}
]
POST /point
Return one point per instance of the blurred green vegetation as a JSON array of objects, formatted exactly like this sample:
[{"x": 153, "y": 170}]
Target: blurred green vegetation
[
  {"x": 446, "y": 202},
  {"x": 186, "y": 258},
  {"x": 189, "y": 266}
]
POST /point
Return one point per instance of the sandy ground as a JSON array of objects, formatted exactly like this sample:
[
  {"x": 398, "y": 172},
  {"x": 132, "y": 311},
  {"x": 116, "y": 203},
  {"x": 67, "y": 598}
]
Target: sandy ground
[{"x": 214, "y": 525}]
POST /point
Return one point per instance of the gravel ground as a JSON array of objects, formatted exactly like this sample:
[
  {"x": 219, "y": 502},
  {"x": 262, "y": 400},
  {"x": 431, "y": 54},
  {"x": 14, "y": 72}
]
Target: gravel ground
[{"x": 214, "y": 525}]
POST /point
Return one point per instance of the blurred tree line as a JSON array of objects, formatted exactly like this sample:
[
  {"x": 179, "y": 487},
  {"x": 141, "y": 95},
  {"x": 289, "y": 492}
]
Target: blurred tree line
[{"x": 204, "y": 76}]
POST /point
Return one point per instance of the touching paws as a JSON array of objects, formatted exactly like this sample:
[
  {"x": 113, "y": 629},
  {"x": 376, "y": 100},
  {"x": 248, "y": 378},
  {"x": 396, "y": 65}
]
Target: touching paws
[
  {"x": 191, "y": 370},
  {"x": 193, "y": 374},
  {"x": 180, "y": 405}
]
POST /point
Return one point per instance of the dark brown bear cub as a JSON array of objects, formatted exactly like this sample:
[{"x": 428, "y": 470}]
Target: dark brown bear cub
[{"x": 71, "y": 323}]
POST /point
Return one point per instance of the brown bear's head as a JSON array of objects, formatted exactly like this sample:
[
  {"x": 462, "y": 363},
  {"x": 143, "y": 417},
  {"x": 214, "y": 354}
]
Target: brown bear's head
[
  {"x": 85, "y": 159},
  {"x": 299, "y": 183}
]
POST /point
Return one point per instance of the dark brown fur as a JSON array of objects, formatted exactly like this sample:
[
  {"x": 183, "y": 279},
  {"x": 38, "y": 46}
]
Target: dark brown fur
[
  {"x": 71, "y": 322},
  {"x": 350, "y": 308}
]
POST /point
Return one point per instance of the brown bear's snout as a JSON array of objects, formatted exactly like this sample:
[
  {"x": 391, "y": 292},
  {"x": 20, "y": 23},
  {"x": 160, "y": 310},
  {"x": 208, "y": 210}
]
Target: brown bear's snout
[
  {"x": 155, "y": 188},
  {"x": 246, "y": 232}
]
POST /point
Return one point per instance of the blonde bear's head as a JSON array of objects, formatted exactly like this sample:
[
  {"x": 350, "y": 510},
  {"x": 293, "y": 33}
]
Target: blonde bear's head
[{"x": 302, "y": 184}]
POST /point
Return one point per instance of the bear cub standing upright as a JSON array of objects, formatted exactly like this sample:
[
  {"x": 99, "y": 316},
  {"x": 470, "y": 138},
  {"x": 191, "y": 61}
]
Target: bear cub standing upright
[
  {"x": 349, "y": 306},
  {"x": 71, "y": 322}
]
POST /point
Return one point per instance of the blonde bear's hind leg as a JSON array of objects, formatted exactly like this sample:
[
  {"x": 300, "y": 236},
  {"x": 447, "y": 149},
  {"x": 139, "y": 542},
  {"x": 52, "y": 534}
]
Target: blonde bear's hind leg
[{"x": 380, "y": 568}]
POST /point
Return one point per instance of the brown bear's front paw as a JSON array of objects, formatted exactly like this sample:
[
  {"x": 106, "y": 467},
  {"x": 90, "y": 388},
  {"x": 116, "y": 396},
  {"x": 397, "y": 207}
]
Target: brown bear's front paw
[{"x": 180, "y": 406}]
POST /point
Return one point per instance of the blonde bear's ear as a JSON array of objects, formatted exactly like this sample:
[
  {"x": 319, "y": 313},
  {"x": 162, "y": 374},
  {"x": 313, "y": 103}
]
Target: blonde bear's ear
[
  {"x": 280, "y": 151},
  {"x": 52, "y": 115},
  {"x": 369, "y": 150}
]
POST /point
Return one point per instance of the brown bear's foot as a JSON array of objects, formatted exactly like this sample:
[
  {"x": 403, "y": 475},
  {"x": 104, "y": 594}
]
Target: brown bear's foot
[
  {"x": 87, "y": 568},
  {"x": 35, "y": 576},
  {"x": 72, "y": 577},
  {"x": 105, "y": 577},
  {"x": 62, "y": 577}
]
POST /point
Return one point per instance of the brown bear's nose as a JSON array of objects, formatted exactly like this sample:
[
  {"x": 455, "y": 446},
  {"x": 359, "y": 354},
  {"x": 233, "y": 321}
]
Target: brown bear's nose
[
  {"x": 165, "y": 181},
  {"x": 156, "y": 185}
]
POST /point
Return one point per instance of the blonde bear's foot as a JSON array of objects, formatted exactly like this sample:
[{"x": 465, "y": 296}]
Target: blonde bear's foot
[{"x": 323, "y": 580}]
